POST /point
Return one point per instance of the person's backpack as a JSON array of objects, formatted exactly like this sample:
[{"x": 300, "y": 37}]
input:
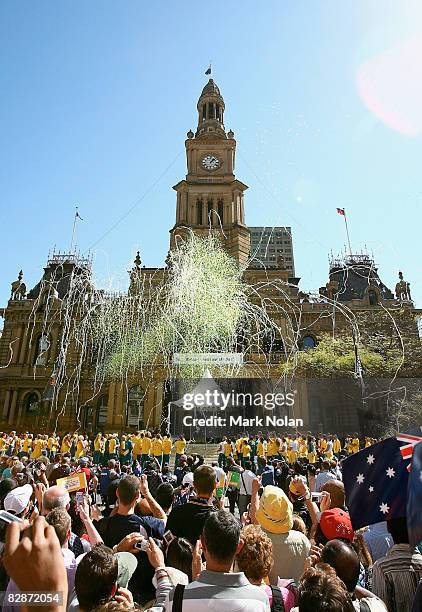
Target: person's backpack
[
  {"x": 179, "y": 591},
  {"x": 277, "y": 604}
]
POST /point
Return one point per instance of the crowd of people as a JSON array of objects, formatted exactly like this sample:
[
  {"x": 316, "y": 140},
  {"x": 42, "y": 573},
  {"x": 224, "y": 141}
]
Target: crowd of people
[{"x": 151, "y": 526}]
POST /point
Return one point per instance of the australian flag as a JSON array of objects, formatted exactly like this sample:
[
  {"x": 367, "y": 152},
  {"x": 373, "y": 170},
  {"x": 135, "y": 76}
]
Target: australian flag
[
  {"x": 375, "y": 481},
  {"x": 414, "y": 498}
]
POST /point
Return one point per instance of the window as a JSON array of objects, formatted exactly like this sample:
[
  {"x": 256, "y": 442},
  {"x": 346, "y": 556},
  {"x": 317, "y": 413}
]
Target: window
[
  {"x": 135, "y": 407},
  {"x": 204, "y": 112},
  {"x": 102, "y": 411},
  {"x": 373, "y": 297},
  {"x": 199, "y": 207},
  {"x": 31, "y": 402},
  {"x": 41, "y": 349},
  {"x": 221, "y": 211},
  {"x": 308, "y": 342}
]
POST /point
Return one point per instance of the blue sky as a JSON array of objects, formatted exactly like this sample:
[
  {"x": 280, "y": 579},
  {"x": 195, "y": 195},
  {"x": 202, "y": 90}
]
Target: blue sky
[{"x": 97, "y": 97}]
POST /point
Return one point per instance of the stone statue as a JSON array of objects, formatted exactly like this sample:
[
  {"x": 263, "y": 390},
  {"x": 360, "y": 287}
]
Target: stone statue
[
  {"x": 135, "y": 276},
  {"x": 403, "y": 290},
  {"x": 280, "y": 262},
  {"x": 18, "y": 288}
]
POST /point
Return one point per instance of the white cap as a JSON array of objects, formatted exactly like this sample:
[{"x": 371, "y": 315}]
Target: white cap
[{"x": 17, "y": 499}]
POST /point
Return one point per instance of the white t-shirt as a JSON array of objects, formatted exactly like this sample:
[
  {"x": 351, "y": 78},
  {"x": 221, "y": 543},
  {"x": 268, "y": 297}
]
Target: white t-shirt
[
  {"x": 246, "y": 479},
  {"x": 219, "y": 473}
]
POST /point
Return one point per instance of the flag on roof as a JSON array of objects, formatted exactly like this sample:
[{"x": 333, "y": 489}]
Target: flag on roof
[
  {"x": 414, "y": 498},
  {"x": 341, "y": 211},
  {"x": 375, "y": 481},
  {"x": 207, "y": 72}
]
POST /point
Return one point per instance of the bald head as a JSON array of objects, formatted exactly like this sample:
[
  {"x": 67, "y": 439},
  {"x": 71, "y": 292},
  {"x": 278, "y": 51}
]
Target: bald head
[
  {"x": 336, "y": 490},
  {"x": 342, "y": 557},
  {"x": 55, "y": 497}
]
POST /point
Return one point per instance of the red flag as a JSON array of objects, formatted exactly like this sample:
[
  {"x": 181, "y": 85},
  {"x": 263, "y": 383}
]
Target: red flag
[{"x": 341, "y": 211}]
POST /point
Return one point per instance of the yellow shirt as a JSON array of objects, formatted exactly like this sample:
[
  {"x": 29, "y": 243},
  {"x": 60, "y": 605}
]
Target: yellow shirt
[
  {"x": 227, "y": 449},
  {"x": 38, "y": 446},
  {"x": 26, "y": 445},
  {"x": 246, "y": 450},
  {"x": 336, "y": 446},
  {"x": 167, "y": 445},
  {"x": 97, "y": 443},
  {"x": 180, "y": 446},
  {"x": 260, "y": 449},
  {"x": 50, "y": 442},
  {"x": 146, "y": 446},
  {"x": 157, "y": 447},
  {"x": 355, "y": 445},
  {"x": 66, "y": 444},
  {"x": 137, "y": 445},
  {"x": 112, "y": 445}
]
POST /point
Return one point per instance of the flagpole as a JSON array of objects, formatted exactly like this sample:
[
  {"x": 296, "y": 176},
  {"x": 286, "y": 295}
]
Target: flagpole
[
  {"x": 347, "y": 231},
  {"x": 73, "y": 230}
]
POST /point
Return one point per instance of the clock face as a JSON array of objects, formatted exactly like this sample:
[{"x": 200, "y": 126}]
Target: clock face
[{"x": 210, "y": 162}]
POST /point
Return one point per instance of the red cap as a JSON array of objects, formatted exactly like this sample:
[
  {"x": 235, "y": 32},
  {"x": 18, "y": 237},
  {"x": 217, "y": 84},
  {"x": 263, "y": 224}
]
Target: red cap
[{"x": 336, "y": 523}]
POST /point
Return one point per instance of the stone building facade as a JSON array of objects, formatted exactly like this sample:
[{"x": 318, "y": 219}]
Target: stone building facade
[{"x": 210, "y": 196}]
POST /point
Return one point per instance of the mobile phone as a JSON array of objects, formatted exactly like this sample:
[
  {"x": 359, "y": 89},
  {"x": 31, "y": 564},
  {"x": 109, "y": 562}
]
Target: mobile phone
[
  {"x": 79, "y": 499},
  {"x": 168, "y": 537},
  {"x": 8, "y": 517},
  {"x": 315, "y": 497},
  {"x": 142, "y": 545}
]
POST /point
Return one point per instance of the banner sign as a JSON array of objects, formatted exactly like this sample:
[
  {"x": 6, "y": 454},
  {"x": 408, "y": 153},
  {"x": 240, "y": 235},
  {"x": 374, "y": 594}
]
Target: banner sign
[
  {"x": 75, "y": 482},
  {"x": 208, "y": 359}
]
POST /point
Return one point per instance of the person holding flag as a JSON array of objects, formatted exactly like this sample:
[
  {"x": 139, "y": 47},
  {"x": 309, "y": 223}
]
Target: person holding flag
[{"x": 376, "y": 483}]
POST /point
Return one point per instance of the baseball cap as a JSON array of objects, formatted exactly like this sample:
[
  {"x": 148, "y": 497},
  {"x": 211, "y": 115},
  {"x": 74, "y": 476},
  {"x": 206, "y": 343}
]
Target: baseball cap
[
  {"x": 336, "y": 523},
  {"x": 17, "y": 499}
]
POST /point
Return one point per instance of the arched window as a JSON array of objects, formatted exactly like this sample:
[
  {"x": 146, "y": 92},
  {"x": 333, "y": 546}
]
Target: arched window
[
  {"x": 308, "y": 342},
  {"x": 102, "y": 406},
  {"x": 221, "y": 211},
  {"x": 199, "y": 206},
  {"x": 41, "y": 350},
  {"x": 373, "y": 297},
  {"x": 204, "y": 112},
  {"x": 209, "y": 212},
  {"x": 31, "y": 402},
  {"x": 135, "y": 407}
]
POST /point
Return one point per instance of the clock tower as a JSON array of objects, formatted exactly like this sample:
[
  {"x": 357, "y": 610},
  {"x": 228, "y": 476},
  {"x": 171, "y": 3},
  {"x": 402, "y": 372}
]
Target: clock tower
[{"x": 211, "y": 197}]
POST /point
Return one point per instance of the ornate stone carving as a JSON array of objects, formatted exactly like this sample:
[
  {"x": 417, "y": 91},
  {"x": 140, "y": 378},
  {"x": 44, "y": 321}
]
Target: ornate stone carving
[
  {"x": 403, "y": 289},
  {"x": 18, "y": 288}
]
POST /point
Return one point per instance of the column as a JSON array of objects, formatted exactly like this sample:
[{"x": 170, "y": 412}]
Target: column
[
  {"x": 158, "y": 404},
  {"x": 13, "y": 407},
  {"x": 110, "y": 405},
  {"x": 17, "y": 333},
  {"x": 6, "y": 403},
  {"x": 22, "y": 353}
]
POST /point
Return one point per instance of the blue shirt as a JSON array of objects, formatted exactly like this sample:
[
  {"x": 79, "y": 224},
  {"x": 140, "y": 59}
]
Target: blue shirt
[{"x": 378, "y": 540}]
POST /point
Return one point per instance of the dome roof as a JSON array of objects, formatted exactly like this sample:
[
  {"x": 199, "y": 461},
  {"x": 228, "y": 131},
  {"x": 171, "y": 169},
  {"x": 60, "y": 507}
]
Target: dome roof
[{"x": 210, "y": 88}]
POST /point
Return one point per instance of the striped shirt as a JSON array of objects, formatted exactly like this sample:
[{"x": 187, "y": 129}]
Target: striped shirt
[
  {"x": 216, "y": 591},
  {"x": 396, "y": 576}
]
